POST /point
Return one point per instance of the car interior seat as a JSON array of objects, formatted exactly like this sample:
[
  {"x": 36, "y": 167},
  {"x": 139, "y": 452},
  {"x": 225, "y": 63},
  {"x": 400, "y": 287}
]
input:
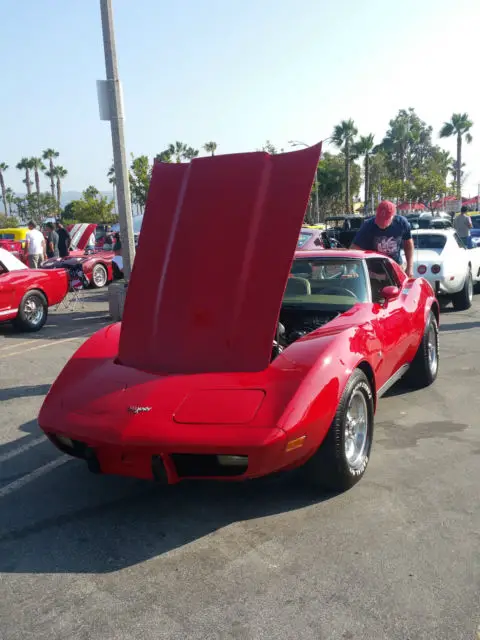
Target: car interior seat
[{"x": 298, "y": 287}]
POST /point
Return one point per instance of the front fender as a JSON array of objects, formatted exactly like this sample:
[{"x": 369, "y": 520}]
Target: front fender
[{"x": 314, "y": 404}]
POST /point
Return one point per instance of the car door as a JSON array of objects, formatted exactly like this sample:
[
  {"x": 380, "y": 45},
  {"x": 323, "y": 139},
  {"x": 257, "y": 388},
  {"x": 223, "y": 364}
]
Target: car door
[{"x": 392, "y": 321}]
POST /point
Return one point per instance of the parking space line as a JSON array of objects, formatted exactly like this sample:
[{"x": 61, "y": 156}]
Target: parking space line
[
  {"x": 51, "y": 343},
  {"x": 50, "y": 340},
  {"x": 30, "y": 477},
  {"x": 22, "y": 448}
]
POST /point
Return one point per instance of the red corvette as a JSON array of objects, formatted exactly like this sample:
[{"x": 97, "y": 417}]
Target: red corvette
[
  {"x": 26, "y": 294},
  {"x": 96, "y": 264},
  {"x": 232, "y": 362}
]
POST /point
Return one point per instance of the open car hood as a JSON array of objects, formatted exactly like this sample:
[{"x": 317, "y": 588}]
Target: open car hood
[
  {"x": 217, "y": 242},
  {"x": 80, "y": 234}
]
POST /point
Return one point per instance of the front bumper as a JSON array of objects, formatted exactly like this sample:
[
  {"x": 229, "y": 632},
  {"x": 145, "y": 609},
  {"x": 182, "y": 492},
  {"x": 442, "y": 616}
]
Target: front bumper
[{"x": 198, "y": 454}]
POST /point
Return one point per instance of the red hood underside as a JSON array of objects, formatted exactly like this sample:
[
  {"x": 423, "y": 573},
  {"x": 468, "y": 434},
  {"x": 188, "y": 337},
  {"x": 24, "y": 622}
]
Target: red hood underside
[{"x": 217, "y": 242}]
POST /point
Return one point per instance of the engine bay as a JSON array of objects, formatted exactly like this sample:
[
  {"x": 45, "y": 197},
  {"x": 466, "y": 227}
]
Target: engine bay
[{"x": 296, "y": 323}]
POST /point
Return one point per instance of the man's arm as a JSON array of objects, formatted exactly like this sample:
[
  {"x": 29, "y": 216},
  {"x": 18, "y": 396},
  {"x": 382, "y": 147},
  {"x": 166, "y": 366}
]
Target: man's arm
[{"x": 408, "y": 248}]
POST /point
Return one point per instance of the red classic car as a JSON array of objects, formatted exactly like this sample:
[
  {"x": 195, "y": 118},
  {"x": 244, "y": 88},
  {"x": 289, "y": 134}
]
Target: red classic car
[
  {"x": 26, "y": 294},
  {"x": 231, "y": 362},
  {"x": 96, "y": 264}
]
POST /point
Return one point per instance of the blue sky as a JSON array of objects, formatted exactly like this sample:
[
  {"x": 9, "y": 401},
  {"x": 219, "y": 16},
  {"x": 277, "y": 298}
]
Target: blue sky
[{"x": 234, "y": 71}]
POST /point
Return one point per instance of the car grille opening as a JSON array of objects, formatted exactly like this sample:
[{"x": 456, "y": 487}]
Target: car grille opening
[{"x": 209, "y": 465}]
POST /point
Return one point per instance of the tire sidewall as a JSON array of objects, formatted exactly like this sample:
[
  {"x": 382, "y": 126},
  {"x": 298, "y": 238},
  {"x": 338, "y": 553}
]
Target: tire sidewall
[
  {"x": 357, "y": 382},
  {"x": 22, "y": 321}
]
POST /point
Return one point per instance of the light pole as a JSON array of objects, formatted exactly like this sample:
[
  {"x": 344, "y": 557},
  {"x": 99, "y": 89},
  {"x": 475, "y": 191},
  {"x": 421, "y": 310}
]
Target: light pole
[
  {"x": 298, "y": 143},
  {"x": 115, "y": 115}
]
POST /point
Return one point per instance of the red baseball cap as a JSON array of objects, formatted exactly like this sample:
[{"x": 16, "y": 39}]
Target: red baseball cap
[{"x": 386, "y": 211}]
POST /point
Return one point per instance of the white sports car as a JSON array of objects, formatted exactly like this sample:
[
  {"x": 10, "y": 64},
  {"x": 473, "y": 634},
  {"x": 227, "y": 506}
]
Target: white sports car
[{"x": 441, "y": 258}]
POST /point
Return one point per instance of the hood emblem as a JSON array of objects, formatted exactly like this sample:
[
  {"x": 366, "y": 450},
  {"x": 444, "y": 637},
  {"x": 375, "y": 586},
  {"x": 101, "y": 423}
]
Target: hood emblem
[{"x": 136, "y": 410}]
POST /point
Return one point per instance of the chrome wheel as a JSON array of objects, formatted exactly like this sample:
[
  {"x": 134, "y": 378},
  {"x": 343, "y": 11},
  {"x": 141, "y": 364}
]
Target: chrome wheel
[
  {"x": 470, "y": 288},
  {"x": 356, "y": 430},
  {"x": 33, "y": 310},
  {"x": 432, "y": 349},
  {"x": 99, "y": 276}
]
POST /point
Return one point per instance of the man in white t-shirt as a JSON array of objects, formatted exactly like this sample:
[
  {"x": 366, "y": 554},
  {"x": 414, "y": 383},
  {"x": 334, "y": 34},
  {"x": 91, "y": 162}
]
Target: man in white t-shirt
[{"x": 35, "y": 248}]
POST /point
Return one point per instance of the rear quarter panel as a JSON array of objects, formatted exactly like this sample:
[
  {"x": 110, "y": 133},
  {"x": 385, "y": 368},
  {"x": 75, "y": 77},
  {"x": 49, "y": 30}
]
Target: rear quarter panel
[{"x": 52, "y": 283}]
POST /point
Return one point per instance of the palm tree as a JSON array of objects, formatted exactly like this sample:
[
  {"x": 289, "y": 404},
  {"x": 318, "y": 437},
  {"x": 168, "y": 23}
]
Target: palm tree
[
  {"x": 364, "y": 147},
  {"x": 60, "y": 173},
  {"x": 178, "y": 150},
  {"x": 343, "y": 137},
  {"x": 459, "y": 126},
  {"x": 25, "y": 165},
  {"x": 210, "y": 147},
  {"x": 37, "y": 165},
  {"x": 112, "y": 179},
  {"x": 190, "y": 153},
  {"x": 10, "y": 198},
  {"x": 50, "y": 154},
  {"x": 3, "y": 168}
]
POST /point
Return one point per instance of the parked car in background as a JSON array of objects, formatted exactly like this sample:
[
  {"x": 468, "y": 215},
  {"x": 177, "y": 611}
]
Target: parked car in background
[
  {"x": 475, "y": 231},
  {"x": 311, "y": 238},
  {"x": 96, "y": 264},
  {"x": 441, "y": 257},
  {"x": 343, "y": 228},
  {"x": 429, "y": 221},
  {"x": 26, "y": 294}
]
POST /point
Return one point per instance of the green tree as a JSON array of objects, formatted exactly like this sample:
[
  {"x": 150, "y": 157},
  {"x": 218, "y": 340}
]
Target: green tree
[
  {"x": 459, "y": 126},
  {"x": 140, "y": 176},
  {"x": 270, "y": 148},
  {"x": 331, "y": 183},
  {"x": 3, "y": 168},
  {"x": 50, "y": 155},
  {"x": 364, "y": 147},
  {"x": 37, "y": 207},
  {"x": 25, "y": 165},
  {"x": 343, "y": 138},
  {"x": 164, "y": 156},
  {"x": 427, "y": 185},
  {"x": 93, "y": 207},
  {"x": 7, "y": 222},
  {"x": 210, "y": 147},
  {"x": 60, "y": 173}
]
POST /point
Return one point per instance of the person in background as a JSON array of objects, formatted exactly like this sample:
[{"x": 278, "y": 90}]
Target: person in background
[
  {"x": 35, "y": 250},
  {"x": 63, "y": 240},
  {"x": 463, "y": 224},
  {"x": 387, "y": 233},
  {"x": 52, "y": 241}
]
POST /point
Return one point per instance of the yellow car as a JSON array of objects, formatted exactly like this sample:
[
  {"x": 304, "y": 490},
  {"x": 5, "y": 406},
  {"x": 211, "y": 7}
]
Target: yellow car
[{"x": 15, "y": 234}]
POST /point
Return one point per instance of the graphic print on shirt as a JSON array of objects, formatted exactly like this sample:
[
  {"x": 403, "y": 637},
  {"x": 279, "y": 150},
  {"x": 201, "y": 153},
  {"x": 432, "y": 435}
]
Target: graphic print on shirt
[{"x": 389, "y": 246}]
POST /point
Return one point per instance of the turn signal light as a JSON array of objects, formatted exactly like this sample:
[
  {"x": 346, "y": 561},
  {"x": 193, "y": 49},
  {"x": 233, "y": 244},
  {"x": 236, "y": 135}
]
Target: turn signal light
[
  {"x": 436, "y": 268},
  {"x": 422, "y": 269},
  {"x": 295, "y": 444}
]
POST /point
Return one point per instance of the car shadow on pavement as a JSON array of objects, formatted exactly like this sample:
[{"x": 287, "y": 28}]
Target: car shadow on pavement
[
  {"x": 72, "y": 521},
  {"x": 24, "y": 391},
  {"x": 459, "y": 326}
]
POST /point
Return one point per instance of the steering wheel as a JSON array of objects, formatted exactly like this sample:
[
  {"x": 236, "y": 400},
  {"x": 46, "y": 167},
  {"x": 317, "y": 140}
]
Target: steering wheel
[{"x": 334, "y": 291}]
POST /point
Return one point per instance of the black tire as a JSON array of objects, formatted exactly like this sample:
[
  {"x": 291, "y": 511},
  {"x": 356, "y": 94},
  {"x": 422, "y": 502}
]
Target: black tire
[
  {"x": 424, "y": 368},
  {"x": 99, "y": 276},
  {"x": 463, "y": 299},
  {"x": 32, "y": 313},
  {"x": 330, "y": 467}
]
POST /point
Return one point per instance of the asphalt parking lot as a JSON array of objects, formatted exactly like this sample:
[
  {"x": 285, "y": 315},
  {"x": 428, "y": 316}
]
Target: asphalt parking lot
[{"x": 91, "y": 557}]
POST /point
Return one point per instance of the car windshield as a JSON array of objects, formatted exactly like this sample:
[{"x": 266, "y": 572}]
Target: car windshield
[
  {"x": 303, "y": 238},
  {"x": 475, "y": 221},
  {"x": 326, "y": 284},
  {"x": 434, "y": 241}
]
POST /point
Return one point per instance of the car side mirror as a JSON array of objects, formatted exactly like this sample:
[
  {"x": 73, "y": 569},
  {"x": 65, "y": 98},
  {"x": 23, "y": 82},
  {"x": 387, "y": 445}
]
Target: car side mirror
[{"x": 389, "y": 293}]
